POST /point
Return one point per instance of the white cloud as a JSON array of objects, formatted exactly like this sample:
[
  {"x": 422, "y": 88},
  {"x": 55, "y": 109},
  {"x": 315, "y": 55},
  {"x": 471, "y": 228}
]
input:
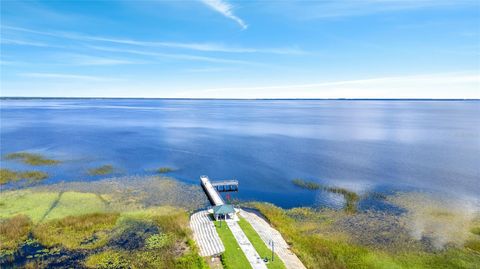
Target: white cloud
[
  {"x": 442, "y": 86},
  {"x": 62, "y": 76},
  {"x": 225, "y": 9}
]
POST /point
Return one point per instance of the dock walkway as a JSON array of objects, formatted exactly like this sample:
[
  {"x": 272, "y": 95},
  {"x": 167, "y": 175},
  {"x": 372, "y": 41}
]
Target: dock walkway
[{"x": 211, "y": 192}]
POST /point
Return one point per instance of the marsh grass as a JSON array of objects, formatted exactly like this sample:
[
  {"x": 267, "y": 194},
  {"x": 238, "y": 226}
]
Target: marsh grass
[
  {"x": 475, "y": 230},
  {"x": 13, "y": 232},
  {"x": 7, "y": 176},
  {"x": 351, "y": 198},
  {"x": 84, "y": 224},
  {"x": 318, "y": 250},
  {"x": 77, "y": 232},
  {"x": 31, "y": 158},
  {"x": 101, "y": 171},
  {"x": 167, "y": 246}
]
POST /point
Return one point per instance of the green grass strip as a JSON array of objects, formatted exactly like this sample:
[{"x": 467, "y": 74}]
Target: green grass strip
[
  {"x": 233, "y": 257},
  {"x": 260, "y": 246}
]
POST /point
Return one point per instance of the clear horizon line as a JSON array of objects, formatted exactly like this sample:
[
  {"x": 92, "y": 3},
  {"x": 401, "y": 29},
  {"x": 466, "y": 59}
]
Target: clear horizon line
[{"x": 212, "y": 98}]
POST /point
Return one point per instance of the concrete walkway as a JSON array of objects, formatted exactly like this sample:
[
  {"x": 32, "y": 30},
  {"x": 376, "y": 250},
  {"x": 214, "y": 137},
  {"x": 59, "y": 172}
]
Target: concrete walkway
[
  {"x": 205, "y": 234},
  {"x": 252, "y": 256},
  {"x": 267, "y": 233}
]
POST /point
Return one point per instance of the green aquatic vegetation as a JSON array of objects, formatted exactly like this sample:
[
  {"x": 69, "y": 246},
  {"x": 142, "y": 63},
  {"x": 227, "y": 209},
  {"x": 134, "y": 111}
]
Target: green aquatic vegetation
[
  {"x": 164, "y": 170},
  {"x": 129, "y": 193},
  {"x": 260, "y": 246},
  {"x": 233, "y": 257},
  {"x": 351, "y": 198},
  {"x": 7, "y": 176},
  {"x": 77, "y": 232},
  {"x": 158, "y": 241},
  {"x": 109, "y": 259},
  {"x": 27, "y": 202},
  {"x": 101, "y": 171},
  {"x": 72, "y": 203},
  {"x": 13, "y": 232},
  {"x": 31, "y": 158}
]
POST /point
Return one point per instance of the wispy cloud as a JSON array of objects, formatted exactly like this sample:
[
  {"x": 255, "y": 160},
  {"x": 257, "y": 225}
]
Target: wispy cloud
[
  {"x": 177, "y": 56},
  {"x": 226, "y": 9},
  {"x": 66, "y": 76},
  {"x": 23, "y": 42},
  {"x": 80, "y": 59},
  {"x": 207, "y": 47},
  {"x": 206, "y": 70}
]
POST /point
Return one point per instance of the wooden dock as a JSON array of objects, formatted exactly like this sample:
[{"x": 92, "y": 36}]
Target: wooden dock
[{"x": 212, "y": 189}]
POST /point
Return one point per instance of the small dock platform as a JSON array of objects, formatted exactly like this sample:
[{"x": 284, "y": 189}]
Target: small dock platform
[{"x": 225, "y": 185}]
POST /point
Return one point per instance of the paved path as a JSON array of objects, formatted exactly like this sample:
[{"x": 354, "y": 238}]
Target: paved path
[
  {"x": 252, "y": 256},
  {"x": 267, "y": 233},
  {"x": 205, "y": 234}
]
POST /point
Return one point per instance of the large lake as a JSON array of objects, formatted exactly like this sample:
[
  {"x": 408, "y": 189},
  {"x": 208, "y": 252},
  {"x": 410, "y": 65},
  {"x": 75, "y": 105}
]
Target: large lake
[{"x": 365, "y": 146}]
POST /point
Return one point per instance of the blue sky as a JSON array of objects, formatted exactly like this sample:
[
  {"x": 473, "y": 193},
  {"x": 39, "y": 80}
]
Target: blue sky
[{"x": 241, "y": 49}]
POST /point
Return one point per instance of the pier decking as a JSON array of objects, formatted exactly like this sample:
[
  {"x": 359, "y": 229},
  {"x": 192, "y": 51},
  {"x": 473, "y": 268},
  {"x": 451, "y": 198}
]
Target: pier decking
[{"x": 212, "y": 193}]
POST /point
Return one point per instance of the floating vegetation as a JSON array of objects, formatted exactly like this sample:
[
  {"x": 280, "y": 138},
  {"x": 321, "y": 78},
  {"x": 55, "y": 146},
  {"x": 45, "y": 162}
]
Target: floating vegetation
[
  {"x": 7, "y": 176},
  {"x": 351, "y": 198},
  {"x": 108, "y": 259},
  {"x": 73, "y": 203},
  {"x": 164, "y": 170},
  {"x": 31, "y": 158},
  {"x": 77, "y": 232},
  {"x": 101, "y": 171},
  {"x": 137, "y": 192},
  {"x": 157, "y": 241},
  {"x": 35, "y": 205}
]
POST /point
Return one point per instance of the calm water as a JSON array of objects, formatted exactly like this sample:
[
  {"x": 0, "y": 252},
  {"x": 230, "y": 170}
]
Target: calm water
[{"x": 361, "y": 145}]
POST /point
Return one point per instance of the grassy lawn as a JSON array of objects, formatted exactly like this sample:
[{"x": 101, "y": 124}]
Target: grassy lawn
[
  {"x": 233, "y": 257},
  {"x": 259, "y": 245}
]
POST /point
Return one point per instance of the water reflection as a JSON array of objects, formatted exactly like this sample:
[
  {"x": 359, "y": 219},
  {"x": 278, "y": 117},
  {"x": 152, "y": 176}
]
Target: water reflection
[{"x": 361, "y": 145}]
